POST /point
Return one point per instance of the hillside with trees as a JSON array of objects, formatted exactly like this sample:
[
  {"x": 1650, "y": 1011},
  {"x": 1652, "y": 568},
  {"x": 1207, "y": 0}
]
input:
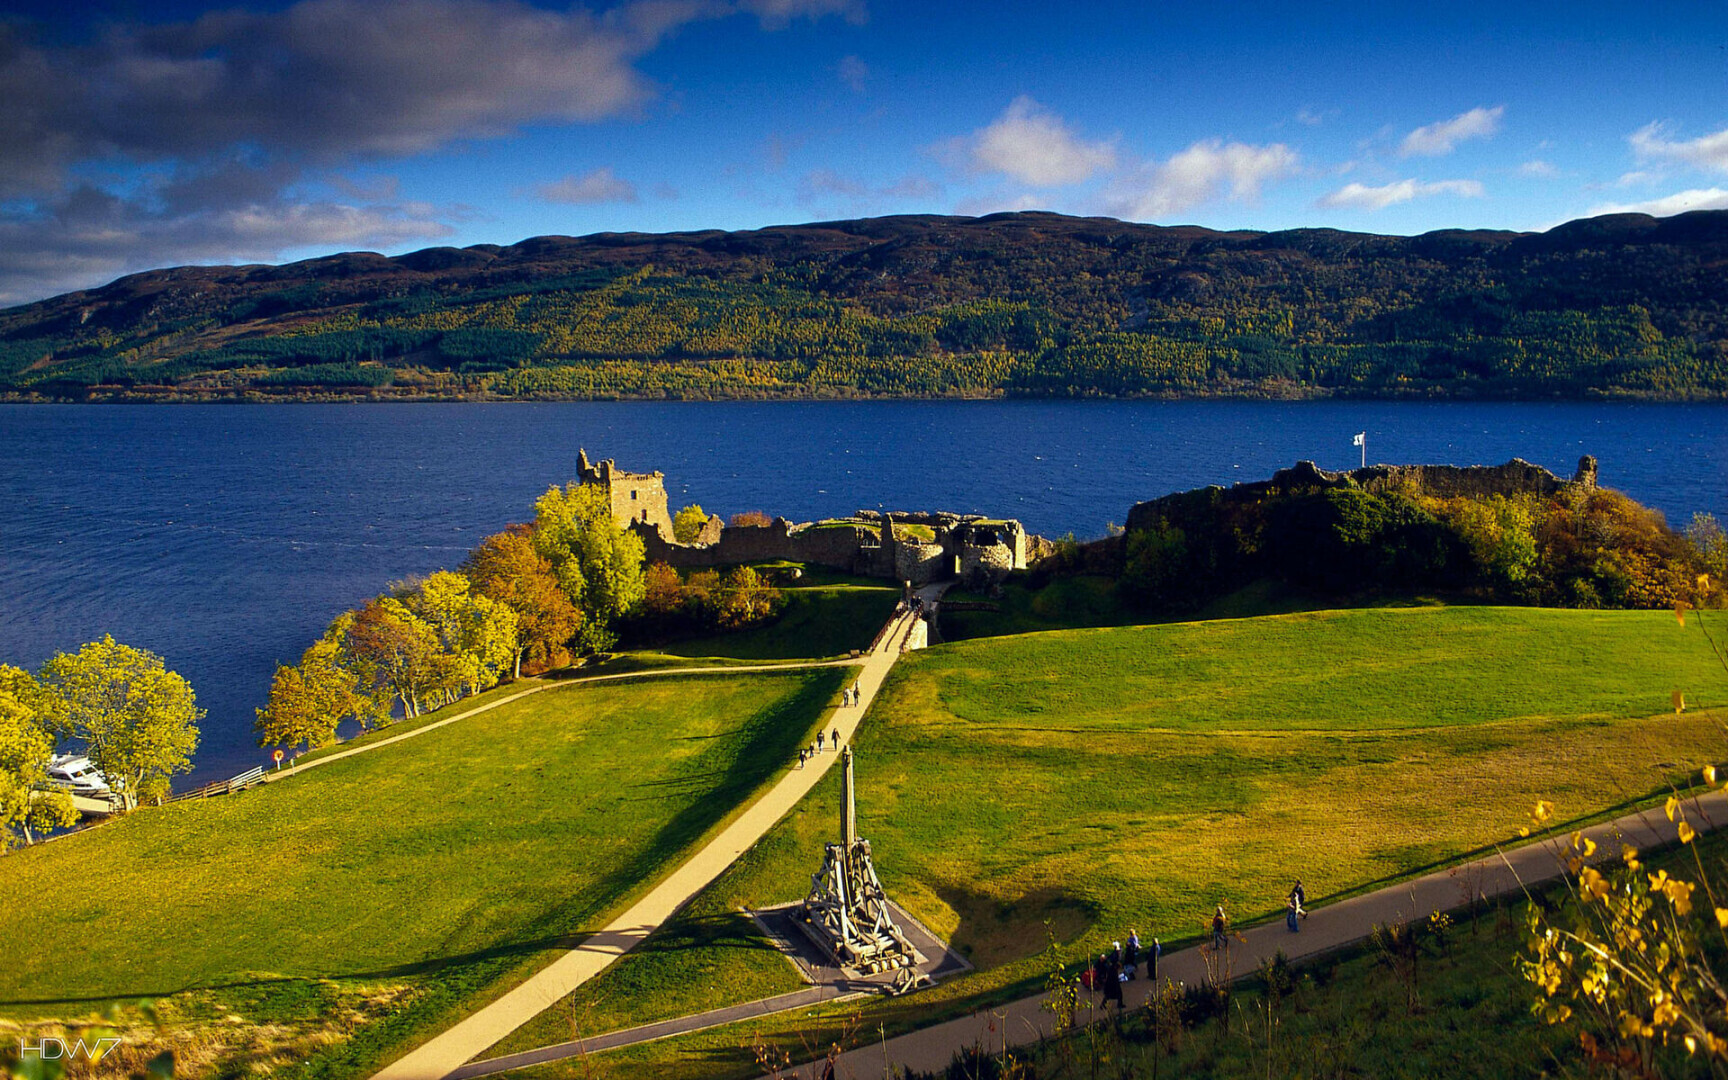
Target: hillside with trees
[{"x": 1022, "y": 304}]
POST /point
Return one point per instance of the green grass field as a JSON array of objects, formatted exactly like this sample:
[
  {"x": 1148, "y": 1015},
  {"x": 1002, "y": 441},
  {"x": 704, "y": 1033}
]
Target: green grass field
[
  {"x": 432, "y": 872},
  {"x": 819, "y": 621},
  {"x": 1094, "y": 781}
]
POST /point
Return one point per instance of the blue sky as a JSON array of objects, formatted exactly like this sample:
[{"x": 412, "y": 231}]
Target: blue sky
[{"x": 140, "y": 135}]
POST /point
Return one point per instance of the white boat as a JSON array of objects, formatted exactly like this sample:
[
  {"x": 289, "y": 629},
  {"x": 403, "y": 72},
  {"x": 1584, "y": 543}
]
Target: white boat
[{"x": 74, "y": 774}]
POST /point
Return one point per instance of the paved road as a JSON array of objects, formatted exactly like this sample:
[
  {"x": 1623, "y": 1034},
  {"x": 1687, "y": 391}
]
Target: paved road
[
  {"x": 447, "y": 1052},
  {"x": 1327, "y": 929}
]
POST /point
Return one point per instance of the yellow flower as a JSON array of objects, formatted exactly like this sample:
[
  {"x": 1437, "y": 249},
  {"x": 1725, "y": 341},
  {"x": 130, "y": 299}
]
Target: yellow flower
[
  {"x": 1543, "y": 810},
  {"x": 1671, "y": 807},
  {"x": 1686, "y": 832},
  {"x": 1722, "y": 918}
]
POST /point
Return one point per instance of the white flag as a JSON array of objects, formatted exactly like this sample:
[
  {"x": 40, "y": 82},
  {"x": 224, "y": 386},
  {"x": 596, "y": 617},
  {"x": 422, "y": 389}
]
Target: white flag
[{"x": 1360, "y": 440}]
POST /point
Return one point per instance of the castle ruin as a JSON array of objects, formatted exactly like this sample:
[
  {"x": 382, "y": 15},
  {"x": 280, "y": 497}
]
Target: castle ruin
[
  {"x": 638, "y": 499},
  {"x": 915, "y": 547}
]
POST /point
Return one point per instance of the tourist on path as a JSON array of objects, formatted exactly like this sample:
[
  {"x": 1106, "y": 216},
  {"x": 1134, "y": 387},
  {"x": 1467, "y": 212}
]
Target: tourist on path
[
  {"x": 1219, "y": 925},
  {"x": 1132, "y": 957},
  {"x": 1113, "y": 982},
  {"x": 803, "y": 756},
  {"x": 834, "y": 739},
  {"x": 819, "y": 742},
  {"x": 1299, "y": 898},
  {"x": 1290, "y": 910}
]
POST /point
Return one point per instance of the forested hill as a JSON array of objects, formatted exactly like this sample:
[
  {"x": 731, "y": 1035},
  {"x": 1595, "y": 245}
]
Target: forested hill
[{"x": 1016, "y": 304}]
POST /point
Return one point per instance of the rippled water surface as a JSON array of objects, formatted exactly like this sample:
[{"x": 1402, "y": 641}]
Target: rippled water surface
[{"x": 225, "y": 537}]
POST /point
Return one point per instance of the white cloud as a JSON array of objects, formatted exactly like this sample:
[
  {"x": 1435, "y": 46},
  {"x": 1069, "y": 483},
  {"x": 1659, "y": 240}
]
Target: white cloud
[
  {"x": 1031, "y": 144},
  {"x": 1309, "y": 117},
  {"x": 1542, "y": 170},
  {"x": 1363, "y": 197},
  {"x": 1677, "y": 203},
  {"x": 1636, "y": 177},
  {"x": 599, "y": 186},
  {"x": 1440, "y": 138},
  {"x": 1706, "y": 152},
  {"x": 1207, "y": 170},
  {"x": 853, "y": 72}
]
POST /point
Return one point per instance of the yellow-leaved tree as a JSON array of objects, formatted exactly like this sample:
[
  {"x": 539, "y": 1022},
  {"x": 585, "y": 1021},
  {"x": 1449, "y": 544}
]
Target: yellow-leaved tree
[
  {"x": 1635, "y": 959},
  {"x": 26, "y": 747},
  {"x": 597, "y": 562},
  {"x": 137, "y": 720}
]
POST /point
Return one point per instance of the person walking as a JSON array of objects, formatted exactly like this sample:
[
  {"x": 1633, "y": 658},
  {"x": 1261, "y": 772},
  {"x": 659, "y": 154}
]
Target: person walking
[
  {"x": 1113, "y": 982},
  {"x": 1290, "y": 914},
  {"x": 1299, "y": 898},
  {"x": 1219, "y": 926},
  {"x": 1131, "y": 957},
  {"x": 819, "y": 742},
  {"x": 803, "y": 756},
  {"x": 834, "y": 739}
]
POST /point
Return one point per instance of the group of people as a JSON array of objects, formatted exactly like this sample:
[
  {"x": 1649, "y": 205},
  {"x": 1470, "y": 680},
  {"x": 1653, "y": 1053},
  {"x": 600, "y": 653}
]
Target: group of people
[
  {"x": 850, "y": 695},
  {"x": 808, "y": 752},
  {"x": 1110, "y": 970},
  {"x": 1121, "y": 965}
]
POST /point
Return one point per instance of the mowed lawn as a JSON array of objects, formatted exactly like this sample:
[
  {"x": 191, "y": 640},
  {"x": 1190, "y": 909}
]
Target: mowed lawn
[
  {"x": 1097, "y": 781},
  {"x": 448, "y": 861}
]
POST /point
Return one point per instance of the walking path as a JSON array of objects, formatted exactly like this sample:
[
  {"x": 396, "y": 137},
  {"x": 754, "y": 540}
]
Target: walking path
[
  {"x": 1329, "y": 928},
  {"x": 447, "y": 1052}
]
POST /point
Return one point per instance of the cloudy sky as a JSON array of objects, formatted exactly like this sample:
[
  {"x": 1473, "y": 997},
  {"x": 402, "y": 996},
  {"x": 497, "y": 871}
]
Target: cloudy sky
[{"x": 137, "y": 134}]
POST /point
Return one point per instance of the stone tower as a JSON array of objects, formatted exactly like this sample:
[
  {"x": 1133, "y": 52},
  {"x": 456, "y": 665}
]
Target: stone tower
[{"x": 634, "y": 496}]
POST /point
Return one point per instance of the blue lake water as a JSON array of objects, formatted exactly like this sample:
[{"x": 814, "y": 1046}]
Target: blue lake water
[{"x": 226, "y": 537}]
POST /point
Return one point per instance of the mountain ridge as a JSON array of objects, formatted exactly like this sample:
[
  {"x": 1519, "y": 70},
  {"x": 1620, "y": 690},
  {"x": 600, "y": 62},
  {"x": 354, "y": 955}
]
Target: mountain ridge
[{"x": 1026, "y": 302}]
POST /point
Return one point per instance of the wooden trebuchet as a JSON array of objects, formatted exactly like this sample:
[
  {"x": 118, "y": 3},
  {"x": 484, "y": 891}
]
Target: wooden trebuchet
[{"x": 846, "y": 913}]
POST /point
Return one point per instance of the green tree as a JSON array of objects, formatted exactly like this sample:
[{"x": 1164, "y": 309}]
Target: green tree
[
  {"x": 26, "y": 747},
  {"x": 687, "y": 524},
  {"x": 506, "y": 567},
  {"x": 597, "y": 562},
  {"x": 137, "y": 719}
]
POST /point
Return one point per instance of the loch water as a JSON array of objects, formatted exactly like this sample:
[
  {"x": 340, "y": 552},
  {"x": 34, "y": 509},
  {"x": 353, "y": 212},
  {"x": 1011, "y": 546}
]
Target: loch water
[{"x": 226, "y": 537}]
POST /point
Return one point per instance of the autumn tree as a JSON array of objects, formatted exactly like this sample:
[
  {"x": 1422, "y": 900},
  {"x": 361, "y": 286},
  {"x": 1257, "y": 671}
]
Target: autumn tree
[
  {"x": 688, "y": 523},
  {"x": 394, "y": 652},
  {"x": 26, "y": 747},
  {"x": 476, "y": 634},
  {"x": 596, "y": 561},
  {"x": 137, "y": 719},
  {"x": 751, "y": 519},
  {"x": 745, "y": 599},
  {"x": 507, "y": 568},
  {"x": 309, "y": 701}
]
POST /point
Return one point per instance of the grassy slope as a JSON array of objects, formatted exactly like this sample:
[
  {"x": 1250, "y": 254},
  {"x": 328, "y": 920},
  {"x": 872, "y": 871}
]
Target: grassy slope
[
  {"x": 1107, "y": 779},
  {"x": 818, "y": 621},
  {"x": 349, "y": 872},
  {"x": 1350, "y": 1016}
]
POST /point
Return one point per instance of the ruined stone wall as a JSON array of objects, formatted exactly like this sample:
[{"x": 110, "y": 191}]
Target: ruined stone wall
[
  {"x": 984, "y": 565},
  {"x": 1516, "y": 477},
  {"x": 921, "y": 563}
]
